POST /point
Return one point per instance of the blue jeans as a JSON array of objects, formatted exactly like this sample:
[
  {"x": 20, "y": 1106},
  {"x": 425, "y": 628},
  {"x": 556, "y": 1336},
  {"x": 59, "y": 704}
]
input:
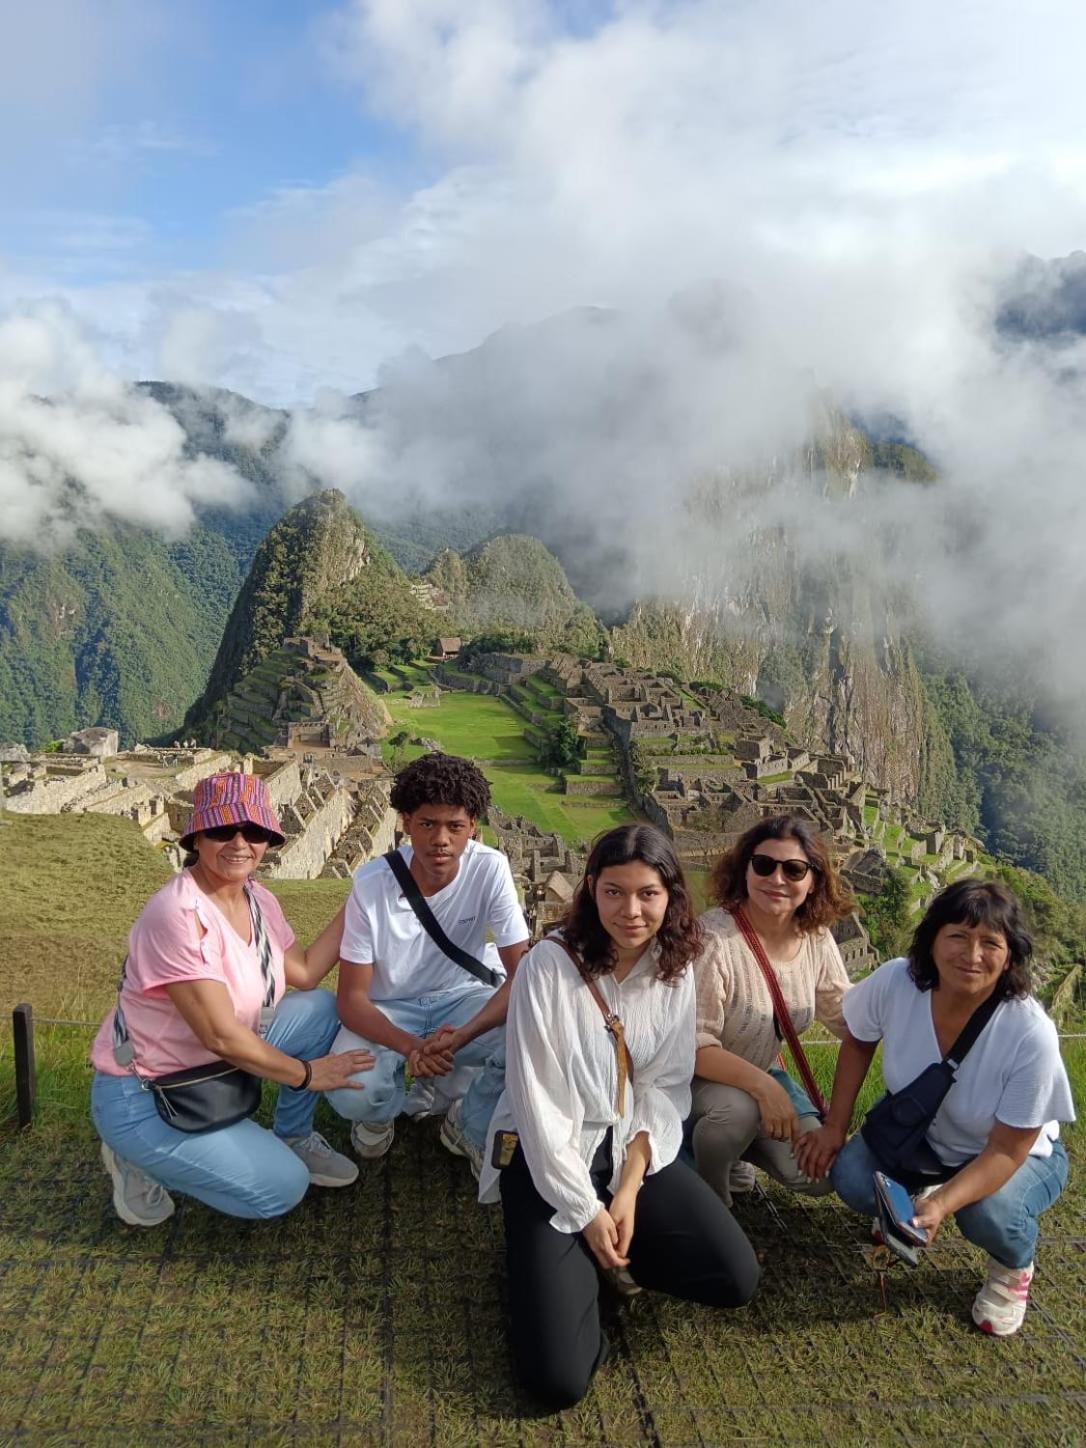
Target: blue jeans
[
  {"x": 383, "y": 1089},
  {"x": 1004, "y": 1225},
  {"x": 242, "y": 1170}
]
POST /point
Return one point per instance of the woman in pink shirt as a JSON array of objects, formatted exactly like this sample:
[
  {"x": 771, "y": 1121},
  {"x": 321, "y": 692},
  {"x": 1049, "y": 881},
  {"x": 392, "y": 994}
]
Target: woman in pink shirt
[{"x": 209, "y": 960}]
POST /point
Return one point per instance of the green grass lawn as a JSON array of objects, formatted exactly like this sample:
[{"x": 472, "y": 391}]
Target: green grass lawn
[
  {"x": 375, "y": 1315},
  {"x": 486, "y": 728},
  {"x": 477, "y": 726}
]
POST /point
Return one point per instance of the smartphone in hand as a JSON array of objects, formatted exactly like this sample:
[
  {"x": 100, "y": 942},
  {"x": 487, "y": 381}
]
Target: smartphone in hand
[{"x": 896, "y": 1210}]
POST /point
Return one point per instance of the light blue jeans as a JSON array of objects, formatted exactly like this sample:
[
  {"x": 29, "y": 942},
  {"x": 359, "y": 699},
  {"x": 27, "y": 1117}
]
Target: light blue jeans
[
  {"x": 383, "y": 1089},
  {"x": 242, "y": 1170},
  {"x": 1004, "y": 1225}
]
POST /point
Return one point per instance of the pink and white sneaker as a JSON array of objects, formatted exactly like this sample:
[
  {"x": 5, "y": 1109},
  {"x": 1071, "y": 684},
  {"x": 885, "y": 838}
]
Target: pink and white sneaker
[{"x": 1000, "y": 1305}]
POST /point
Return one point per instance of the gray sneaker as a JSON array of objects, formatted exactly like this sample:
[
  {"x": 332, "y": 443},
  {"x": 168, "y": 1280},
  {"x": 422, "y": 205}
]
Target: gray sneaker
[
  {"x": 327, "y": 1168},
  {"x": 372, "y": 1139},
  {"x": 741, "y": 1177},
  {"x": 456, "y": 1140},
  {"x": 137, "y": 1198}
]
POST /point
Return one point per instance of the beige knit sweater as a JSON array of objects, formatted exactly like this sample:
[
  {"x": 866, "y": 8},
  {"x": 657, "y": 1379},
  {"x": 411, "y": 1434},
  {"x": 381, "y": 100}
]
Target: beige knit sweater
[{"x": 733, "y": 1001}]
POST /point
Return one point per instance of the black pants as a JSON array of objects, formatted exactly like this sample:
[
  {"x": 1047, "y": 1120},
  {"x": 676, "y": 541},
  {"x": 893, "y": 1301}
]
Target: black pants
[{"x": 685, "y": 1243}]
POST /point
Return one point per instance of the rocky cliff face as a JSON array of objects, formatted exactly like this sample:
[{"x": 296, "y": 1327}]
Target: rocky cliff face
[
  {"x": 317, "y": 572},
  {"x": 318, "y": 547},
  {"x": 816, "y": 643}
]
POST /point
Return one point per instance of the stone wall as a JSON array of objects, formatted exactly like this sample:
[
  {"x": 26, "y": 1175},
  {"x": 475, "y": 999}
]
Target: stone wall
[
  {"x": 305, "y": 854},
  {"x": 53, "y": 790},
  {"x": 283, "y": 782}
]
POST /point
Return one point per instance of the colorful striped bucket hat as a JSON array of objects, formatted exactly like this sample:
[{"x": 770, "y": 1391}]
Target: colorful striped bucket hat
[{"x": 231, "y": 799}]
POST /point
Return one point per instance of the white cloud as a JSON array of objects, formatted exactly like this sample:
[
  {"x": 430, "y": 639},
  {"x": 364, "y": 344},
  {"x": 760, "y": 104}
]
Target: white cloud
[
  {"x": 833, "y": 192},
  {"x": 78, "y": 444}
]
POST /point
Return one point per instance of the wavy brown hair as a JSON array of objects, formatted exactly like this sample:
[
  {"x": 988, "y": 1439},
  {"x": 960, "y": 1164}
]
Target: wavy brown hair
[
  {"x": 679, "y": 936},
  {"x": 828, "y": 900}
]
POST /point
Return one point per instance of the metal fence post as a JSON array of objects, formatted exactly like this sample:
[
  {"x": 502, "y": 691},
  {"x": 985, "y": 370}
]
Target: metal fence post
[{"x": 22, "y": 1030}]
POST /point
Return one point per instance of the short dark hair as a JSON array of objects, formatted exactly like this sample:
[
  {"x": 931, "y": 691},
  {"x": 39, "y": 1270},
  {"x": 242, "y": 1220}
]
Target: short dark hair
[
  {"x": 680, "y": 935},
  {"x": 441, "y": 779},
  {"x": 828, "y": 899},
  {"x": 975, "y": 902}
]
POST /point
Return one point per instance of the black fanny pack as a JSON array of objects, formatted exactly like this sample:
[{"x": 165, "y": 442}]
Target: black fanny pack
[
  {"x": 896, "y": 1128},
  {"x": 204, "y": 1098}
]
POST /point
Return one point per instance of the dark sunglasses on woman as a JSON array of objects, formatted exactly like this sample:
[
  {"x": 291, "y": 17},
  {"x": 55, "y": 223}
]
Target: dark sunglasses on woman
[
  {"x": 251, "y": 834},
  {"x": 765, "y": 865}
]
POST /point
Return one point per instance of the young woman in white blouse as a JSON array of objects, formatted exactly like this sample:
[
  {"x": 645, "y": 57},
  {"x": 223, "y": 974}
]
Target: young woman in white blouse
[{"x": 593, "y": 1181}]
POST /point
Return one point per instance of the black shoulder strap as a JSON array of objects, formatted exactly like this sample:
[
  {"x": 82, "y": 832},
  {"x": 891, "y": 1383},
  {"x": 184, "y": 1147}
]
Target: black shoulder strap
[
  {"x": 967, "y": 1039},
  {"x": 415, "y": 898}
]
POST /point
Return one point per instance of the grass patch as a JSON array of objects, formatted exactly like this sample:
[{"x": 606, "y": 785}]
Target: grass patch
[
  {"x": 486, "y": 728},
  {"x": 382, "y": 1311},
  {"x": 376, "y": 1314},
  {"x": 477, "y": 726},
  {"x": 533, "y": 793}
]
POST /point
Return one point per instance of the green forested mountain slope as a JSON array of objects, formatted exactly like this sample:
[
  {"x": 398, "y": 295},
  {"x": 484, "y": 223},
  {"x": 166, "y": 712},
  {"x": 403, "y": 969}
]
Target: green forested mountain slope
[
  {"x": 514, "y": 583},
  {"x": 318, "y": 570},
  {"x": 117, "y": 629}
]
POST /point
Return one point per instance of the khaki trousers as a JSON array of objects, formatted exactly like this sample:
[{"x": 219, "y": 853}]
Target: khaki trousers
[{"x": 728, "y": 1128}]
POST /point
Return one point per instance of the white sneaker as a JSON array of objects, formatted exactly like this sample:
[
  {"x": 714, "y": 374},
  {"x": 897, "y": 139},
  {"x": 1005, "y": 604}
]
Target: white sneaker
[
  {"x": 741, "y": 1178},
  {"x": 454, "y": 1138},
  {"x": 137, "y": 1198},
  {"x": 1000, "y": 1305},
  {"x": 371, "y": 1140},
  {"x": 327, "y": 1168}
]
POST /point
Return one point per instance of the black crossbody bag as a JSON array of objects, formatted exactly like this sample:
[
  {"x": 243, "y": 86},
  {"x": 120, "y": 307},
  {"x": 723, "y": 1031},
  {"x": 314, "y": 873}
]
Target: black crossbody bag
[
  {"x": 415, "y": 898},
  {"x": 896, "y": 1128}
]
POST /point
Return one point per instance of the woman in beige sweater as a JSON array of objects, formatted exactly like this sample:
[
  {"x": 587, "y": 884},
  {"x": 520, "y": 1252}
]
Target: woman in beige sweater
[{"x": 746, "y": 1111}]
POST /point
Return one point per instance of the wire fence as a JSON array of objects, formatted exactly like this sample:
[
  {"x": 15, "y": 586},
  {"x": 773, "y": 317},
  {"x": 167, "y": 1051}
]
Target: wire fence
[{"x": 807, "y": 1045}]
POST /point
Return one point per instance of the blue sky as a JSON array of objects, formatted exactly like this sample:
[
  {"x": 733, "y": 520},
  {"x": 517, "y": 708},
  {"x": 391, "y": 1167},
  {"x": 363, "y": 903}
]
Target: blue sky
[
  {"x": 285, "y": 196},
  {"x": 212, "y": 108},
  {"x": 769, "y": 203}
]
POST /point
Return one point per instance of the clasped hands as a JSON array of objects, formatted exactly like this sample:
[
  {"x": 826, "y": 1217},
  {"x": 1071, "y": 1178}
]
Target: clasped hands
[
  {"x": 609, "y": 1233},
  {"x": 435, "y": 1054}
]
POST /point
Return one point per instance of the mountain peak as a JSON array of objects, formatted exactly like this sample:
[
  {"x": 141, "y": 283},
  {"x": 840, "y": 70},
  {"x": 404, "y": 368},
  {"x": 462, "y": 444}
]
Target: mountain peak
[{"x": 318, "y": 547}]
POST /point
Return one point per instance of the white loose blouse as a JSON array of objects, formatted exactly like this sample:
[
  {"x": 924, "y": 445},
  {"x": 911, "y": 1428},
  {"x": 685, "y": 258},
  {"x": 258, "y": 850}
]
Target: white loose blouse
[{"x": 561, "y": 1075}]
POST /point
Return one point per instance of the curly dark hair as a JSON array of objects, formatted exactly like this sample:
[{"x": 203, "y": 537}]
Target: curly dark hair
[
  {"x": 441, "y": 779},
  {"x": 975, "y": 902},
  {"x": 828, "y": 899},
  {"x": 680, "y": 934}
]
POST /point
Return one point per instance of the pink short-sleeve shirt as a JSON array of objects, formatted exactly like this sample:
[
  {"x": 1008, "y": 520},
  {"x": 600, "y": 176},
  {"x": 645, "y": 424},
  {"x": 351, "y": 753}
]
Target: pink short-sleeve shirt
[{"x": 181, "y": 936}]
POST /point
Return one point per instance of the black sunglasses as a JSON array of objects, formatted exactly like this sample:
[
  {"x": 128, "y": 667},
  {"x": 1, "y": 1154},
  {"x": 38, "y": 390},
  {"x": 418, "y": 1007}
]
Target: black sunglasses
[
  {"x": 794, "y": 870},
  {"x": 251, "y": 834}
]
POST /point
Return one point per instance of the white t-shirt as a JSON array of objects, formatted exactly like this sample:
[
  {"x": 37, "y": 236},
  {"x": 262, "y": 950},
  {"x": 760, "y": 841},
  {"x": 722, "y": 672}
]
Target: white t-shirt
[
  {"x": 1013, "y": 1074},
  {"x": 382, "y": 930}
]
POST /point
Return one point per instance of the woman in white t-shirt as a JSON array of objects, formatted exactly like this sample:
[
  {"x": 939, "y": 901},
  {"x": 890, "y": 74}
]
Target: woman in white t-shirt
[
  {"x": 997, "y": 1130},
  {"x": 593, "y": 1179}
]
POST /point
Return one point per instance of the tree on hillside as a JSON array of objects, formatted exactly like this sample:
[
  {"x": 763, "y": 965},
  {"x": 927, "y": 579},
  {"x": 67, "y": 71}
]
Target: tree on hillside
[
  {"x": 501, "y": 641},
  {"x": 562, "y": 747},
  {"x": 886, "y": 915}
]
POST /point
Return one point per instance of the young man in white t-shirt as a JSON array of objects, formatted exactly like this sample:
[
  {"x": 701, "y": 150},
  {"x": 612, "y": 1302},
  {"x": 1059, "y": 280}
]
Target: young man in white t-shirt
[{"x": 399, "y": 993}]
